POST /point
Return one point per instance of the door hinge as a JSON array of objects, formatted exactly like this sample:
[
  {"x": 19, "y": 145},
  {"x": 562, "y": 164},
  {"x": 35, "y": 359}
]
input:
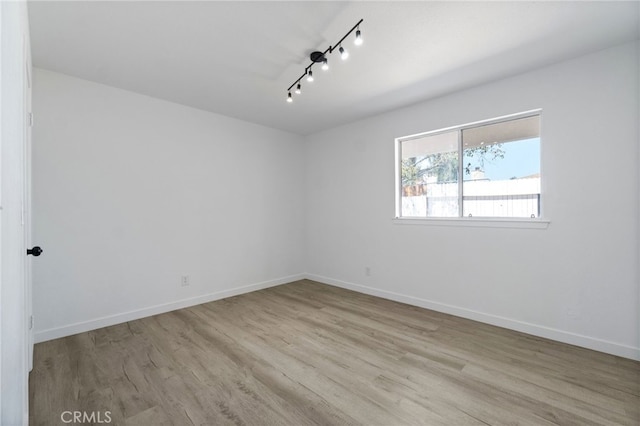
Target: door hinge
[
  {"x": 30, "y": 118},
  {"x": 31, "y": 322}
]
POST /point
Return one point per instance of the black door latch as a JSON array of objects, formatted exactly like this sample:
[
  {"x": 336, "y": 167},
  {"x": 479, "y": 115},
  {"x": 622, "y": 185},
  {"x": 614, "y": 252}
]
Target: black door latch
[{"x": 36, "y": 251}]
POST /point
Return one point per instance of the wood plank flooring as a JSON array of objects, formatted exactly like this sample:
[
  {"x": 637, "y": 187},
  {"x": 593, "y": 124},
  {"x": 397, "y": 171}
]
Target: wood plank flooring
[{"x": 310, "y": 354}]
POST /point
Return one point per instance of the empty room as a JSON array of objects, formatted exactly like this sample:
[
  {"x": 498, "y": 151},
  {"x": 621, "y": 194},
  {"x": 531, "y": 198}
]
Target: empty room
[{"x": 319, "y": 213}]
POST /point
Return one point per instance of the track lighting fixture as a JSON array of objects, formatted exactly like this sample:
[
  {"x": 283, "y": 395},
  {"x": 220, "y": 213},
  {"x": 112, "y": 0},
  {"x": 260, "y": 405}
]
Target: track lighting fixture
[{"x": 321, "y": 57}]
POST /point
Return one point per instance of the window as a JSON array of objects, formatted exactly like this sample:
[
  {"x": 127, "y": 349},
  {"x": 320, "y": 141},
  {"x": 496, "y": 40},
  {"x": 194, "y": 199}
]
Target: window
[{"x": 488, "y": 170}]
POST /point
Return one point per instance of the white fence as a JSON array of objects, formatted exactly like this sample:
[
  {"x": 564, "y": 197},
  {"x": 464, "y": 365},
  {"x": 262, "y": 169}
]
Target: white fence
[{"x": 482, "y": 198}]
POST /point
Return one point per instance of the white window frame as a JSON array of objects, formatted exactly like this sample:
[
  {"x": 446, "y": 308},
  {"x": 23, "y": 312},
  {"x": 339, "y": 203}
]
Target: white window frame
[{"x": 540, "y": 222}]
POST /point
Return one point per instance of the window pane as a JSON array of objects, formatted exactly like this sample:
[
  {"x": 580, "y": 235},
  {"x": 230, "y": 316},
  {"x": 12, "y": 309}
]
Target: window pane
[
  {"x": 501, "y": 167},
  {"x": 430, "y": 176}
]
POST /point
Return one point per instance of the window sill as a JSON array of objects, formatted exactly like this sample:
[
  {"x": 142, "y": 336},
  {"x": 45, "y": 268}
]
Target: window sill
[{"x": 475, "y": 222}]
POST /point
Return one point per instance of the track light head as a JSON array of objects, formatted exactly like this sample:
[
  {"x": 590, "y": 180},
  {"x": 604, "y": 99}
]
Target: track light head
[
  {"x": 298, "y": 89},
  {"x": 310, "y": 76},
  {"x": 358, "y": 40},
  {"x": 289, "y": 98},
  {"x": 325, "y": 64},
  {"x": 343, "y": 53}
]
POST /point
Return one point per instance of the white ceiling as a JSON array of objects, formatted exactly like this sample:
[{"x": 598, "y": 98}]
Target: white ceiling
[{"x": 238, "y": 58}]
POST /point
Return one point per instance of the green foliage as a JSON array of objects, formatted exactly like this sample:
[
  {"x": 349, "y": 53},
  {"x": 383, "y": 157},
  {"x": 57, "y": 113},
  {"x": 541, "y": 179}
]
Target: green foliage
[
  {"x": 482, "y": 154},
  {"x": 444, "y": 166}
]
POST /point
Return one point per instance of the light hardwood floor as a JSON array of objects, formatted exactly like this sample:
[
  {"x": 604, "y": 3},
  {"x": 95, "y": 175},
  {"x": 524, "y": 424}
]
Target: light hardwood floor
[{"x": 310, "y": 354}]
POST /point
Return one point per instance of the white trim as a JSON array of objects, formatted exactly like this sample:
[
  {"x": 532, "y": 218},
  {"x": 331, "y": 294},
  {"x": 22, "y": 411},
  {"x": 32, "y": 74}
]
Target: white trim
[
  {"x": 512, "y": 324},
  {"x": 524, "y": 327},
  {"x": 397, "y": 149},
  {"x": 475, "y": 222},
  {"x": 2, "y": 58},
  {"x": 80, "y": 327}
]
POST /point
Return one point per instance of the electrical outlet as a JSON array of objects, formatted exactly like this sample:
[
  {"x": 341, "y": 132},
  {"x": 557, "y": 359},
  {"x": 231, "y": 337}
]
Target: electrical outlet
[
  {"x": 184, "y": 280},
  {"x": 367, "y": 271}
]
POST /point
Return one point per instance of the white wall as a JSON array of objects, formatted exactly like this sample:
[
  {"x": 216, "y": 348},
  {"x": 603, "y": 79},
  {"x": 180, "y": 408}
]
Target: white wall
[
  {"x": 14, "y": 364},
  {"x": 131, "y": 192},
  {"x": 576, "y": 281}
]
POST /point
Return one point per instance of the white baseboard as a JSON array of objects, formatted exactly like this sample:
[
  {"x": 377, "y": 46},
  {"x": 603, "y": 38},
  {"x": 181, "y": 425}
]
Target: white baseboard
[
  {"x": 533, "y": 329},
  {"x": 525, "y": 327},
  {"x": 80, "y": 327}
]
